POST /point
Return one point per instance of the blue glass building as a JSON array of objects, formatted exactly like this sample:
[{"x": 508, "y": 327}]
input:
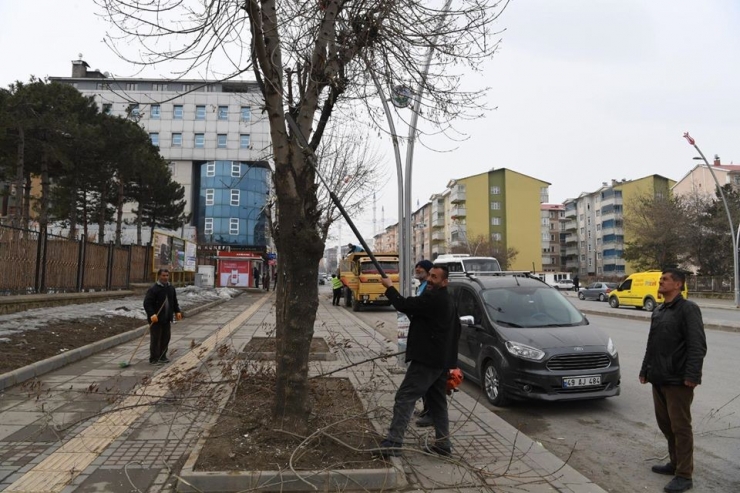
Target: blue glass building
[{"x": 232, "y": 196}]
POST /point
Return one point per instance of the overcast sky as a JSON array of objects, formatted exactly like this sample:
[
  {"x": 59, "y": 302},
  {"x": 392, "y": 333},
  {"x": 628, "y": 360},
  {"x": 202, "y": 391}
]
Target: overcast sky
[{"x": 586, "y": 90}]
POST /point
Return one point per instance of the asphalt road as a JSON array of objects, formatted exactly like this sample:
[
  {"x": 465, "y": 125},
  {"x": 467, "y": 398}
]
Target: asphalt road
[{"x": 615, "y": 441}]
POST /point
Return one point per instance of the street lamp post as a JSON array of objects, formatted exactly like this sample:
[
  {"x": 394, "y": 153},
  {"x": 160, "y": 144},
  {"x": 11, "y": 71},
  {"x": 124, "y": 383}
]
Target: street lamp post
[{"x": 735, "y": 239}]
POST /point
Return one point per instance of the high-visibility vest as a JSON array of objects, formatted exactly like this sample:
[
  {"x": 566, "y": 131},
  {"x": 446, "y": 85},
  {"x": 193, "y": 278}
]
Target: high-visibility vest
[{"x": 336, "y": 283}]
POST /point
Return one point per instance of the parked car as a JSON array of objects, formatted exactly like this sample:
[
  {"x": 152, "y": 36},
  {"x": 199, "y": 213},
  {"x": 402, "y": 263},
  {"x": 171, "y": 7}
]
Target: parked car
[
  {"x": 597, "y": 291},
  {"x": 640, "y": 290},
  {"x": 522, "y": 339},
  {"x": 563, "y": 284},
  {"x": 322, "y": 279}
]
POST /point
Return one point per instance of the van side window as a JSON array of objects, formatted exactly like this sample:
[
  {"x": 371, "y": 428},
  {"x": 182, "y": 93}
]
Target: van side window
[
  {"x": 626, "y": 285},
  {"x": 468, "y": 305}
]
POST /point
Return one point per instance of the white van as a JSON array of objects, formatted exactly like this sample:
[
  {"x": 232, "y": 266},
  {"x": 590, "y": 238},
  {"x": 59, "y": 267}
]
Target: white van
[
  {"x": 462, "y": 262},
  {"x": 560, "y": 280}
]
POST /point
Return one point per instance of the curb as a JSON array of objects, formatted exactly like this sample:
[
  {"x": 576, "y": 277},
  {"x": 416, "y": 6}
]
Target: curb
[
  {"x": 707, "y": 325},
  {"x": 39, "y": 368}
]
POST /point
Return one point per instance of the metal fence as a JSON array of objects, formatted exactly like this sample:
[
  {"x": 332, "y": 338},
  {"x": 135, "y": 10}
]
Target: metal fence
[{"x": 41, "y": 262}]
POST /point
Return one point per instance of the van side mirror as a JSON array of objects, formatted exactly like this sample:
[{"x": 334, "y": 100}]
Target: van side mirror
[{"x": 467, "y": 320}]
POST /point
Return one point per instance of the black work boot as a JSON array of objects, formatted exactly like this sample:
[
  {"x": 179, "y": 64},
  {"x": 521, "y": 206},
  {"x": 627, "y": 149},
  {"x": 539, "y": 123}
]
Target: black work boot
[
  {"x": 678, "y": 484},
  {"x": 667, "y": 469}
]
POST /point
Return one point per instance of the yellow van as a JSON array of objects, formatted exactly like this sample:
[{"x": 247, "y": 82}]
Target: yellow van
[{"x": 640, "y": 290}]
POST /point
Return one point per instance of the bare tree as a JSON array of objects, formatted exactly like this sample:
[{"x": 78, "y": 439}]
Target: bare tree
[
  {"x": 655, "y": 240},
  {"x": 482, "y": 246},
  {"x": 312, "y": 60}
]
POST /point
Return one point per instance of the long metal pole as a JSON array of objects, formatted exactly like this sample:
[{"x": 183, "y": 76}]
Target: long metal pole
[
  {"x": 403, "y": 262},
  {"x": 410, "y": 147},
  {"x": 735, "y": 239}
]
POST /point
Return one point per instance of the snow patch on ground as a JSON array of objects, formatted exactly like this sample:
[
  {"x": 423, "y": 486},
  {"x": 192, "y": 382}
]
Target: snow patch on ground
[{"x": 131, "y": 306}]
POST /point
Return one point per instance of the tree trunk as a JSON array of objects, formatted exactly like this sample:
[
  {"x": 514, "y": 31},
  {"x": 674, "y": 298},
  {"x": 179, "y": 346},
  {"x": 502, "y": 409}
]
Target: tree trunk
[
  {"x": 119, "y": 211},
  {"x": 72, "y": 215},
  {"x": 26, "y": 217},
  {"x": 20, "y": 172},
  {"x": 44, "y": 199}
]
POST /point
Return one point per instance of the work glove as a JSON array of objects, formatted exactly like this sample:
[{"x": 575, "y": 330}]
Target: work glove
[
  {"x": 154, "y": 319},
  {"x": 178, "y": 316}
]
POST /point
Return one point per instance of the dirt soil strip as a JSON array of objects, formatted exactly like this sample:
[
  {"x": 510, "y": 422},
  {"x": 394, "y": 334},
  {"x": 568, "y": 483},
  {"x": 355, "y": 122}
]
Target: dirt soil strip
[{"x": 55, "y": 472}]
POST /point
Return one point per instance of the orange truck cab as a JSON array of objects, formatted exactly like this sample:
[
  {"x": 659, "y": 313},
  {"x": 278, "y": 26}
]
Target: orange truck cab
[{"x": 361, "y": 279}]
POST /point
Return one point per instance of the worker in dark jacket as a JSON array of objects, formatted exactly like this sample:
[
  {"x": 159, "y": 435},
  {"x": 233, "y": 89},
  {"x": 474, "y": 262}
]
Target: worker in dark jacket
[
  {"x": 431, "y": 351},
  {"x": 160, "y": 304},
  {"x": 673, "y": 363}
]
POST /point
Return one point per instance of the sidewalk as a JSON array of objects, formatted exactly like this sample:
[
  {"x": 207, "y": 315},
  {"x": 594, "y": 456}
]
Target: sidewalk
[{"x": 66, "y": 432}]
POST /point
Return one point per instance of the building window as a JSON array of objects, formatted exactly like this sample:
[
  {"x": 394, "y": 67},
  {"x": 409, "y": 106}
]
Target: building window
[
  {"x": 235, "y": 197},
  {"x": 246, "y": 114},
  {"x": 159, "y": 87},
  {"x": 176, "y": 140},
  {"x": 233, "y": 225},
  {"x": 244, "y": 141},
  {"x": 496, "y": 236},
  {"x": 210, "y": 193},
  {"x": 177, "y": 112},
  {"x": 187, "y": 87},
  {"x": 200, "y": 140},
  {"x": 154, "y": 136},
  {"x": 107, "y": 108},
  {"x": 209, "y": 88},
  {"x": 133, "y": 110},
  {"x": 495, "y": 190},
  {"x": 132, "y": 86},
  {"x": 103, "y": 86},
  {"x": 200, "y": 112},
  {"x": 208, "y": 226},
  {"x": 495, "y": 221},
  {"x": 211, "y": 169},
  {"x": 221, "y": 141},
  {"x": 545, "y": 236},
  {"x": 154, "y": 114},
  {"x": 223, "y": 112},
  {"x": 495, "y": 206},
  {"x": 236, "y": 170}
]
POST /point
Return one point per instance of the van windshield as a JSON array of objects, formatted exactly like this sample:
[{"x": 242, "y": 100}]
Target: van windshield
[
  {"x": 530, "y": 307},
  {"x": 481, "y": 265}
]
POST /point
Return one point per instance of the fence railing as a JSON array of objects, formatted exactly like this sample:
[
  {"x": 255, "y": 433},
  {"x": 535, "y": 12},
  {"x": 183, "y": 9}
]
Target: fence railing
[{"x": 41, "y": 262}]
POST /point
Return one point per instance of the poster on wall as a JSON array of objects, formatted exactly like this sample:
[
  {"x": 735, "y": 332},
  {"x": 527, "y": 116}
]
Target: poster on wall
[
  {"x": 190, "y": 256},
  {"x": 162, "y": 251},
  {"x": 178, "y": 254},
  {"x": 233, "y": 273}
]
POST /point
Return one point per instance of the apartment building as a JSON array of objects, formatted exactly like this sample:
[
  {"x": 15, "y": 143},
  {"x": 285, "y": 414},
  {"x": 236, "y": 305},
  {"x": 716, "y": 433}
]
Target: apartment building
[
  {"x": 595, "y": 232},
  {"x": 699, "y": 180},
  {"x": 552, "y": 235},
  {"x": 217, "y": 145},
  {"x": 500, "y": 205}
]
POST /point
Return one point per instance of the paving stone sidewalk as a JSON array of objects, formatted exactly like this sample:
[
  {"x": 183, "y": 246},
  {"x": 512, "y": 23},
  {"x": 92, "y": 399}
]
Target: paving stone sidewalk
[{"x": 142, "y": 446}]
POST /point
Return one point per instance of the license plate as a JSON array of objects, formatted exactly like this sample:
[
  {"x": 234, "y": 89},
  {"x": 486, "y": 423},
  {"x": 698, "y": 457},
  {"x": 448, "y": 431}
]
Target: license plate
[{"x": 585, "y": 381}]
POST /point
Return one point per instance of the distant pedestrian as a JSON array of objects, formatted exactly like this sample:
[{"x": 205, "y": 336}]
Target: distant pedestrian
[
  {"x": 673, "y": 361},
  {"x": 336, "y": 286},
  {"x": 431, "y": 352},
  {"x": 274, "y": 280},
  {"x": 256, "y": 275},
  {"x": 160, "y": 305},
  {"x": 576, "y": 283},
  {"x": 266, "y": 280}
]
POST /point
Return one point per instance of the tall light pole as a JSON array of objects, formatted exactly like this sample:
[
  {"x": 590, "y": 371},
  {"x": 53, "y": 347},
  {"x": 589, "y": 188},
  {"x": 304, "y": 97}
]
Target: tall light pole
[{"x": 735, "y": 239}]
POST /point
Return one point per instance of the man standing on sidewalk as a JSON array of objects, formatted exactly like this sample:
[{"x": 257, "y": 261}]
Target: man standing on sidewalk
[
  {"x": 160, "y": 304},
  {"x": 336, "y": 287},
  {"x": 431, "y": 351},
  {"x": 673, "y": 363}
]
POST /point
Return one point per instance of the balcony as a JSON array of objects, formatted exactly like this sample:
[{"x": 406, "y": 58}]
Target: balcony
[
  {"x": 457, "y": 228},
  {"x": 457, "y": 243},
  {"x": 438, "y": 236},
  {"x": 572, "y": 265},
  {"x": 458, "y": 211},
  {"x": 569, "y": 251},
  {"x": 438, "y": 222},
  {"x": 571, "y": 238},
  {"x": 571, "y": 213},
  {"x": 457, "y": 194},
  {"x": 571, "y": 225}
]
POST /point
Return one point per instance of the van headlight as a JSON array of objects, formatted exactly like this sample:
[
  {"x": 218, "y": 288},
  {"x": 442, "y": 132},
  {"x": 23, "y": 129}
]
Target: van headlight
[
  {"x": 525, "y": 352},
  {"x": 611, "y": 348}
]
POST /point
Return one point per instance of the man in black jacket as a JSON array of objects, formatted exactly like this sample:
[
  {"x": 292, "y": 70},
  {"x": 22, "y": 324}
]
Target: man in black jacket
[
  {"x": 673, "y": 362},
  {"x": 160, "y": 304},
  {"x": 431, "y": 351}
]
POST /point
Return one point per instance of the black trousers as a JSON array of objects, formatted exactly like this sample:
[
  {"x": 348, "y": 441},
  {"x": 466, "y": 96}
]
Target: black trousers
[
  {"x": 422, "y": 381},
  {"x": 337, "y": 296},
  {"x": 159, "y": 341},
  {"x": 673, "y": 413}
]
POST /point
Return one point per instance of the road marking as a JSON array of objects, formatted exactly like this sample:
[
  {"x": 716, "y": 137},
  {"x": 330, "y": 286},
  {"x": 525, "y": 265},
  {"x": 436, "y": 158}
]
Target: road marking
[{"x": 55, "y": 472}]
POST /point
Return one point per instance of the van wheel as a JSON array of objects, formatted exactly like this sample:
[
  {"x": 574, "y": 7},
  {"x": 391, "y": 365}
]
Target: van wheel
[
  {"x": 649, "y": 304},
  {"x": 492, "y": 384},
  {"x": 614, "y": 302}
]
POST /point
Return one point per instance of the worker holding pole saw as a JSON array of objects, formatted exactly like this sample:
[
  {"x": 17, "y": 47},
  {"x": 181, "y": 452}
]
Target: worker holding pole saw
[
  {"x": 162, "y": 294},
  {"x": 432, "y": 341}
]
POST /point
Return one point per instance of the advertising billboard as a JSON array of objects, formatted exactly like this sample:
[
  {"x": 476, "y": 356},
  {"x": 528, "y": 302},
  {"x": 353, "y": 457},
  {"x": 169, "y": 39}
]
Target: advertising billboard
[
  {"x": 178, "y": 254},
  {"x": 162, "y": 244},
  {"x": 190, "y": 256}
]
